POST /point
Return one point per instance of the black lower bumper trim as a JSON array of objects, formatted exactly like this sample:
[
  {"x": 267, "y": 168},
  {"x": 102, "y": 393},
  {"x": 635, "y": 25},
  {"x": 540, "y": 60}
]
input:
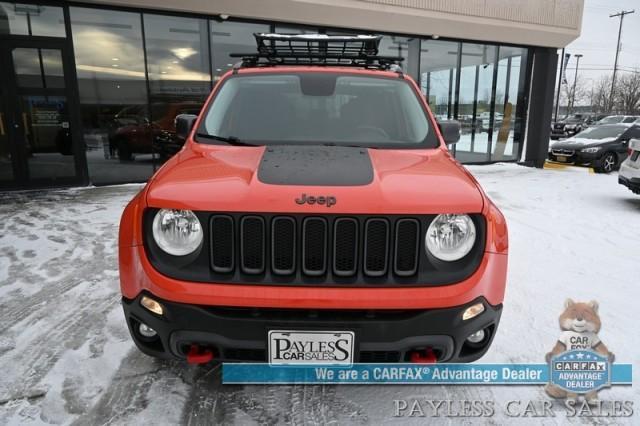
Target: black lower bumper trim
[
  {"x": 240, "y": 334},
  {"x": 633, "y": 184}
]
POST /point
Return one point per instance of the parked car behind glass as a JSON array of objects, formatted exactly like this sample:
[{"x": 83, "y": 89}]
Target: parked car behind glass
[
  {"x": 568, "y": 126},
  {"x": 615, "y": 119}
]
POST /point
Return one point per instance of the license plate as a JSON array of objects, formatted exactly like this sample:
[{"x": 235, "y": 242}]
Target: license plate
[
  {"x": 310, "y": 347},
  {"x": 561, "y": 159}
]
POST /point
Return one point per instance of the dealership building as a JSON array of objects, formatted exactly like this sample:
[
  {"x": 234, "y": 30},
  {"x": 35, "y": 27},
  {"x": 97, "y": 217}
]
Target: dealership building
[{"x": 88, "y": 90}]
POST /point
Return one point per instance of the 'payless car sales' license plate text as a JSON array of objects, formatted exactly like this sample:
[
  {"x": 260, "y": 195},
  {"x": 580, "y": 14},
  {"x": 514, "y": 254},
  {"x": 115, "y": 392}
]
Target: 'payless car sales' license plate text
[{"x": 310, "y": 347}]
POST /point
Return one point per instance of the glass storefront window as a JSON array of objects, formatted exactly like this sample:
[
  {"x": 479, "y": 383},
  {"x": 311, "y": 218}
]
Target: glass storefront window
[
  {"x": 49, "y": 144},
  {"x": 38, "y": 68},
  {"x": 438, "y": 73},
  {"x": 31, "y": 19},
  {"x": 113, "y": 94},
  {"x": 231, "y": 37},
  {"x": 482, "y": 97},
  {"x": 126, "y": 125},
  {"x": 179, "y": 77},
  {"x": 474, "y": 101},
  {"x": 508, "y": 136}
]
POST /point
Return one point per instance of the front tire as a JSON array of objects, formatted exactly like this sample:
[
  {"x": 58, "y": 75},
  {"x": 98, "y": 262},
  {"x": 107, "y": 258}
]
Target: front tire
[{"x": 608, "y": 164}]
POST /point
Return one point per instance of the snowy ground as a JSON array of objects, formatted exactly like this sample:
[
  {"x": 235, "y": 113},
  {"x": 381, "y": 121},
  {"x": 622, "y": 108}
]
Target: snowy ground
[{"x": 66, "y": 357}]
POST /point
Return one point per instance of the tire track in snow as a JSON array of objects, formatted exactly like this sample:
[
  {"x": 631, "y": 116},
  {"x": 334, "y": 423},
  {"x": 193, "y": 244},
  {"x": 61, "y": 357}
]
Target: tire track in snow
[{"x": 210, "y": 402}]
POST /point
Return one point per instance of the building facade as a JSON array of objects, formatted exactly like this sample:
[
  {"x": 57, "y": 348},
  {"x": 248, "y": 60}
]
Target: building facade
[{"x": 89, "y": 90}]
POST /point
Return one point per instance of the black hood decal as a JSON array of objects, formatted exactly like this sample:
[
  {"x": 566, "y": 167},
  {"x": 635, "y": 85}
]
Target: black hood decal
[{"x": 315, "y": 166}]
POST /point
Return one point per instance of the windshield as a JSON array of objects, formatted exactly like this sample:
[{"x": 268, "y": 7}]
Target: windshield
[
  {"x": 611, "y": 120},
  {"x": 318, "y": 108},
  {"x": 602, "y": 132}
]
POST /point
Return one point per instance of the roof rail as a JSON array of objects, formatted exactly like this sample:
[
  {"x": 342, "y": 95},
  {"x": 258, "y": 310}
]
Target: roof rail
[{"x": 318, "y": 49}]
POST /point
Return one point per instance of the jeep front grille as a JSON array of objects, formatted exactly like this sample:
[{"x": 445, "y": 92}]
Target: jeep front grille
[
  {"x": 327, "y": 249},
  {"x": 308, "y": 242},
  {"x": 315, "y": 246}
]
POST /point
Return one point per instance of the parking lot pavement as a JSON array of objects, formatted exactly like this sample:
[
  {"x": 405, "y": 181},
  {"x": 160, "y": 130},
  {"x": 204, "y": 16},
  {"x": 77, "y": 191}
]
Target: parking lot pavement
[{"x": 66, "y": 355}]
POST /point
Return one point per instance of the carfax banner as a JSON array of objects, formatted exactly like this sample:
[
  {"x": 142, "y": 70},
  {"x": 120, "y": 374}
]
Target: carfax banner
[{"x": 574, "y": 376}]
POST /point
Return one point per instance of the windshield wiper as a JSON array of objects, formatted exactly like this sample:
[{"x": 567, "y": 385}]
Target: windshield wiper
[{"x": 231, "y": 140}]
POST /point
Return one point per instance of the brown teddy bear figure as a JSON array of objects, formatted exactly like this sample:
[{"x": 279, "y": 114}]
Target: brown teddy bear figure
[{"x": 580, "y": 325}]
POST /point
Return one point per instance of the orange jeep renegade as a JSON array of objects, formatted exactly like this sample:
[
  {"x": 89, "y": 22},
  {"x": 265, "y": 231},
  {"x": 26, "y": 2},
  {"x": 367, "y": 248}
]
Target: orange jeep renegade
[{"x": 314, "y": 215}]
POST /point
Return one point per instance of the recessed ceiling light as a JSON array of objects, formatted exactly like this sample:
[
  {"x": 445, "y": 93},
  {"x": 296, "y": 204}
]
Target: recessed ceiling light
[
  {"x": 163, "y": 72},
  {"x": 218, "y": 69},
  {"x": 115, "y": 65},
  {"x": 184, "y": 52},
  {"x": 175, "y": 62},
  {"x": 115, "y": 59}
]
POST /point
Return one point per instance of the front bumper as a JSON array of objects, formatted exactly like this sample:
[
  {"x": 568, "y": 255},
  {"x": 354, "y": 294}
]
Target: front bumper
[
  {"x": 632, "y": 183},
  {"x": 578, "y": 158},
  {"x": 240, "y": 334}
]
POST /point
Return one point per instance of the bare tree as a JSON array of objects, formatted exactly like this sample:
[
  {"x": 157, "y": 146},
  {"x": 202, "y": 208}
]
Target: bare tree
[
  {"x": 570, "y": 98},
  {"x": 628, "y": 93},
  {"x": 600, "y": 96}
]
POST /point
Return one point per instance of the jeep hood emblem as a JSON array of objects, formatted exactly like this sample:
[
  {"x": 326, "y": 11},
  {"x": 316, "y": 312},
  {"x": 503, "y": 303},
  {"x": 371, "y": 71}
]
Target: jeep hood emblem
[{"x": 327, "y": 200}]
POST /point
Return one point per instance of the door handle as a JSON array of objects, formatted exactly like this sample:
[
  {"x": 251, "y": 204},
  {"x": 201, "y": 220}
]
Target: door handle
[
  {"x": 2, "y": 124},
  {"x": 25, "y": 122}
]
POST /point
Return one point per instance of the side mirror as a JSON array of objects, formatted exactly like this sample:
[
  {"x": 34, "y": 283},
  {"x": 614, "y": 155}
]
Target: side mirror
[
  {"x": 450, "y": 130},
  {"x": 184, "y": 123}
]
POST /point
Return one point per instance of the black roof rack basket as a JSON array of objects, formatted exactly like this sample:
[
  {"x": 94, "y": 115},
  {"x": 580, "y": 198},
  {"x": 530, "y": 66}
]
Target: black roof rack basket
[{"x": 318, "y": 49}]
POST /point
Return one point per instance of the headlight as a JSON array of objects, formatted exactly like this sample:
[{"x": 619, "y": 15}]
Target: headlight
[
  {"x": 450, "y": 236},
  {"x": 591, "y": 150},
  {"x": 177, "y": 232}
]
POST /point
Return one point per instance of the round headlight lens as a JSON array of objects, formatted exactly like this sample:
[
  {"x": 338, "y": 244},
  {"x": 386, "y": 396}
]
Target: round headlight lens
[
  {"x": 450, "y": 237},
  {"x": 177, "y": 232}
]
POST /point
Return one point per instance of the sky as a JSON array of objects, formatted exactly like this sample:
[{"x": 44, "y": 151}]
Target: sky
[{"x": 597, "y": 41}]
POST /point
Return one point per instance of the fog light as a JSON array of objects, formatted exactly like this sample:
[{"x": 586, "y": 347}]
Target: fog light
[
  {"x": 473, "y": 311},
  {"x": 476, "y": 337},
  {"x": 146, "y": 331},
  {"x": 151, "y": 305}
]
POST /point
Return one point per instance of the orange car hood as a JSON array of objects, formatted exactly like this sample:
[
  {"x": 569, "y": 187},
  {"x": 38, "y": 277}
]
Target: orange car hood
[{"x": 226, "y": 178}]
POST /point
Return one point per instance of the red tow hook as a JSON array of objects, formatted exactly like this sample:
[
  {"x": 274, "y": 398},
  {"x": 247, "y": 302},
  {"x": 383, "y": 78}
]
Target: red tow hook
[
  {"x": 426, "y": 357},
  {"x": 199, "y": 355}
]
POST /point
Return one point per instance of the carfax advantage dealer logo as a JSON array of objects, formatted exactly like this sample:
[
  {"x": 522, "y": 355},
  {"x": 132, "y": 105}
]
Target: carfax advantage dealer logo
[{"x": 580, "y": 371}]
